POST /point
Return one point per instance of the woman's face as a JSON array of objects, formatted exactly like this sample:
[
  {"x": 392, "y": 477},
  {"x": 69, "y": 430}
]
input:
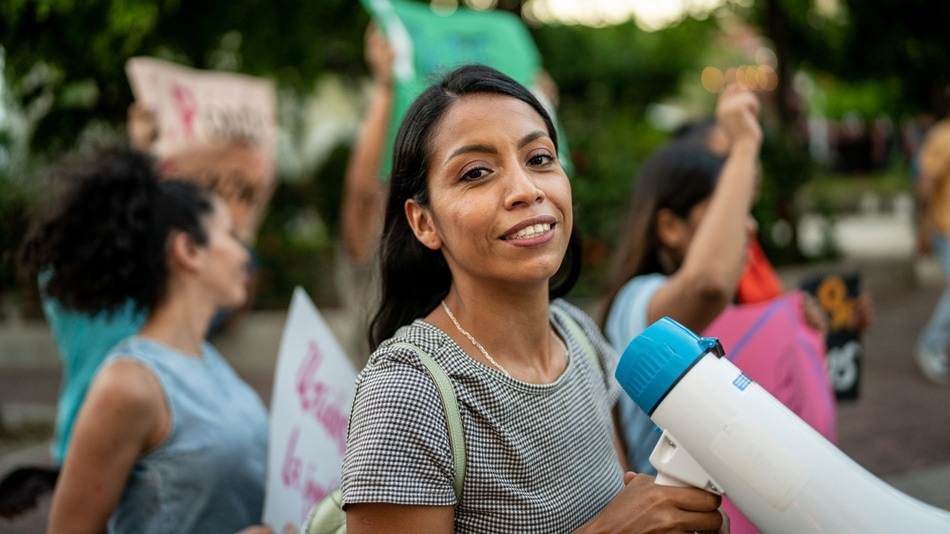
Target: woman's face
[
  {"x": 687, "y": 228},
  {"x": 500, "y": 203},
  {"x": 226, "y": 258}
]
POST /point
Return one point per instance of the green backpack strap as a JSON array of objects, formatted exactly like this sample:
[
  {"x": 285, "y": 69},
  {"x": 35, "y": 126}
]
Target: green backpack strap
[
  {"x": 452, "y": 415},
  {"x": 578, "y": 333},
  {"x": 327, "y": 515}
]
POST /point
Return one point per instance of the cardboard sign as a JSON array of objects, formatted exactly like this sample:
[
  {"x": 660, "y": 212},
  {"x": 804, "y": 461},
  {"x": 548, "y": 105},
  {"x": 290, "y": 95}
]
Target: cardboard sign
[
  {"x": 836, "y": 294},
  {"x": 217, "y": 128},
  {"x": 310, "y": 406},
  {"x": 428, "y": 43}
]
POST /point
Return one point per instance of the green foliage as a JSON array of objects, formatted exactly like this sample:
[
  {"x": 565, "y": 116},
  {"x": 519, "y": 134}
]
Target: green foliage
[
  {"x": 15, "y": 208},
  {"x": 868, "y": 98},
  {"x": 64, "y": 71},
  {"x": 785, "y": 168},
  {"x": 296, "y": 241}
]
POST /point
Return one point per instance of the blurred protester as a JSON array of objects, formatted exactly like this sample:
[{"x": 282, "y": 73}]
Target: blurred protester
[
  {"x": 235, "y": 170},
  {"x": 684, "y": 250},
  {"x": 478, "y": 243},
  {"x": 933, "y": 237},
  {"x": 683, "y": 256},
  {"x": 760, "y": 281},
  {"x": 83, "y": 339},
  {"x": 169, "y": 437}
]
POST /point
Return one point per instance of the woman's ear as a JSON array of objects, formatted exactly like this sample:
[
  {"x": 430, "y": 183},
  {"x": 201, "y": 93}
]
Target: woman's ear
[
  {"x": 421, "y": 223},
  {"x": 184, "y": 251},
  {"x": 669, "y": 228}
]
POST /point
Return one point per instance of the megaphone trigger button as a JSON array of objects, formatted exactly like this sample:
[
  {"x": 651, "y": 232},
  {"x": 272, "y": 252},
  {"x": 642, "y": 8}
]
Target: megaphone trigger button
[{"x": 712, "y": 344}]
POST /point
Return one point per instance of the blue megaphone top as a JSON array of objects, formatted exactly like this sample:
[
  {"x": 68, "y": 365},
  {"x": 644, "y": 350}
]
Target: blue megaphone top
[{"x": 654, "y": 361}]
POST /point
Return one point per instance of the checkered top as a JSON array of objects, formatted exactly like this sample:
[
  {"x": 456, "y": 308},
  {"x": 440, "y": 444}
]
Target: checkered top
[{"x": 540, "y": 457}]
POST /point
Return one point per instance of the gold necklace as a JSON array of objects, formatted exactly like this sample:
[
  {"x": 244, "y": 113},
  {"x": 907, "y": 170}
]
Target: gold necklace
[{"x": 479, "y": 345}]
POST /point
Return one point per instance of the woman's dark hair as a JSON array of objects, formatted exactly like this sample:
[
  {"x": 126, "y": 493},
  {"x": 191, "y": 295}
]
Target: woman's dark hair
[
  {"x": 676, "y": 177},
  {"x": 103, "y": 240},
  {"x": 415, "y": 278},
  {"x": 694, "y": 131}
]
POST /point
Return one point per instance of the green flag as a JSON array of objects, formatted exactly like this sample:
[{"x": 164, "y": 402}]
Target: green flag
[{"x": 428, "y": 44}]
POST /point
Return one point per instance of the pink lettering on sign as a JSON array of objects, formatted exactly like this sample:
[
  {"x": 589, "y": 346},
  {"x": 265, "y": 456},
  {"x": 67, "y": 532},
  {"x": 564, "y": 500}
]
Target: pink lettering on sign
[
  {"x": 325, "y": 403},
  {"x": 187, "y": 107},
  {"x": 302, "y": 478}
]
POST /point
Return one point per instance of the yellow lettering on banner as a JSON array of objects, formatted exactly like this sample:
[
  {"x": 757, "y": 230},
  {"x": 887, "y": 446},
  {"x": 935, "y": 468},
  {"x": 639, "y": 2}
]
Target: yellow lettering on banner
[{"x": 832, "y": 296}]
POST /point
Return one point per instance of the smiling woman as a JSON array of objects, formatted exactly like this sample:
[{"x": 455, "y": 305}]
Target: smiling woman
[{"x": 478, "y": 244}]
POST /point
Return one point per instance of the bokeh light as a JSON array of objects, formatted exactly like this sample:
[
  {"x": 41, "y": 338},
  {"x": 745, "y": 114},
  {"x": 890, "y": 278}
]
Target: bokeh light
[
  {"x": 444, "y": 7},
  {"x": 754, "y": 77},
  {"x": 650, "y": 15},
  {"x": 481, "y": 5},
  {"x": 713, "y": 79}
]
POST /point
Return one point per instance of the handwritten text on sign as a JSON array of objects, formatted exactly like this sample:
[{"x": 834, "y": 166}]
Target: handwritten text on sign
[{"x": 313, "y": 391}]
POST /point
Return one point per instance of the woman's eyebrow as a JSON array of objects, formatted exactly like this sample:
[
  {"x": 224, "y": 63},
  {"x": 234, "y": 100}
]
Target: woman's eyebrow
[
  {"x": 472, "y": 148},
  {"x": 531, "y": 137},
  {"x": 489, "y": 149}
]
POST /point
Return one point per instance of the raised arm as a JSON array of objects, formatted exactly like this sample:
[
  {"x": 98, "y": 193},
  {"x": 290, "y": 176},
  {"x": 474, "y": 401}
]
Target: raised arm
[
  {"x": 706, "y": 281},
  {"x": 364, "y": 193}
]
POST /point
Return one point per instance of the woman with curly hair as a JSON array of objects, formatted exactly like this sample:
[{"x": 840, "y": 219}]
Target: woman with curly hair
[{"x": 169, "y": 438}]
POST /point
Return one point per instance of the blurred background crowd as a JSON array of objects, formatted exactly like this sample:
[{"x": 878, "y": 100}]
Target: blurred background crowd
[{"x": 848, "y": 88}]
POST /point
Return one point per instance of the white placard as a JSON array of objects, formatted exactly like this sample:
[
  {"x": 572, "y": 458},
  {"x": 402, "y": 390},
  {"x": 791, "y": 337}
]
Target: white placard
[
  {"x": 216, "y": 128},
  {"x": 310, "y": 406},
  {"x": 196, "y": 106}
]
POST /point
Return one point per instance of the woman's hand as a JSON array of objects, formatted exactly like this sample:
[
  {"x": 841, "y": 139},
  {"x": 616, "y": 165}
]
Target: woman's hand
[
  {"x": 814, "y": 315},
  {"x": 379, "y": 55},
  {"x": 737, "y": 112},
  {"x": 644, "y": 506}
]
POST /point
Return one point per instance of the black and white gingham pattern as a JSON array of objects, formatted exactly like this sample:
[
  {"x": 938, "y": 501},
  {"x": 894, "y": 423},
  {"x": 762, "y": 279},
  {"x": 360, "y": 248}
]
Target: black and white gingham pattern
[{"x": 540, "y": 457}]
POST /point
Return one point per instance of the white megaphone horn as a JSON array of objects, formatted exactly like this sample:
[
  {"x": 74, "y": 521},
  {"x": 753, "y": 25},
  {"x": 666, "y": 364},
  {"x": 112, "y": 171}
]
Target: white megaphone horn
[{"x": 724, "y": 433}]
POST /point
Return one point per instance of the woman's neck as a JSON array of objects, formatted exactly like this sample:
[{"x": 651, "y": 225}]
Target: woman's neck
[
  {"x": 512, "y": 326},
  {"x": 179, "y": 324}
]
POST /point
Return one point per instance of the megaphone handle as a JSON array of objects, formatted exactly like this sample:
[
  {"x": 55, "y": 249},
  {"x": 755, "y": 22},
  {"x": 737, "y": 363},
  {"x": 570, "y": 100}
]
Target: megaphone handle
[
  {"x": 675, "y": 466},
  {"x": 665, "y": 480}
]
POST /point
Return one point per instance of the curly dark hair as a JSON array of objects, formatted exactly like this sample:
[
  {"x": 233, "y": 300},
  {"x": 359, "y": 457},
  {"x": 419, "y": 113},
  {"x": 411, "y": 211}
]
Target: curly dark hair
[
  {"x": 103, "y": 240},
  {"x": 414, "y": 278}
]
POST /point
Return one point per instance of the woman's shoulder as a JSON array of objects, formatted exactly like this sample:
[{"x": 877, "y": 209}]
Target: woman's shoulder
[
  {"x": 643, "y": 283},
  {"x": 400, "y": 354},
  {"x": 572, "y": 310}
]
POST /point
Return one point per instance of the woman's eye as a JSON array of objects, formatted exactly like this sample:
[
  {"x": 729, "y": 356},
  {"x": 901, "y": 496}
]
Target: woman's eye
[
  {"x": 541, "y": 159},
  {"x": 475, "y": 174}
]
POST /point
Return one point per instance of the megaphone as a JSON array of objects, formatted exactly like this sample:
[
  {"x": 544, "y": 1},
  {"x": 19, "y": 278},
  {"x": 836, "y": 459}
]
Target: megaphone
[{"x": 724, "y": 433}]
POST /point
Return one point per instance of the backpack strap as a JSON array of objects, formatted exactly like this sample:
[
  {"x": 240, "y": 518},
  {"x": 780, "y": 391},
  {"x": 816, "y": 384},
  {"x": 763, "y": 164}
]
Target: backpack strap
[
  {"x": 578, "y": 333},
  {"x": 452, "y": 415}
]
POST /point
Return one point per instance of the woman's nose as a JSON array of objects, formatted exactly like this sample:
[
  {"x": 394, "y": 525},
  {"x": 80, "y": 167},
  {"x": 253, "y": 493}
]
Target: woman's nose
[{"x": 523, "y": 188}]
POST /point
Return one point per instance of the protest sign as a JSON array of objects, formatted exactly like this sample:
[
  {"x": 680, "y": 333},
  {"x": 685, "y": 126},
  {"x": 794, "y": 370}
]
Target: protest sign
[
  {"x": 310, "y": 406},
  {"x": 836, "y": 294},
  {"x": 428, "y": 43},
  {"x": 217, "y": 128}
]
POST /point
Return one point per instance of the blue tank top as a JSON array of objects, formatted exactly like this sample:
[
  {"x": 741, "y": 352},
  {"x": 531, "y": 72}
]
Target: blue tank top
[{"x": 208, "y": 474}]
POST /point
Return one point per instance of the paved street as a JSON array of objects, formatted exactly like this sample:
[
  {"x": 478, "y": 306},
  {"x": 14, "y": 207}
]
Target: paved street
[{"x": 898, "y": 429}]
